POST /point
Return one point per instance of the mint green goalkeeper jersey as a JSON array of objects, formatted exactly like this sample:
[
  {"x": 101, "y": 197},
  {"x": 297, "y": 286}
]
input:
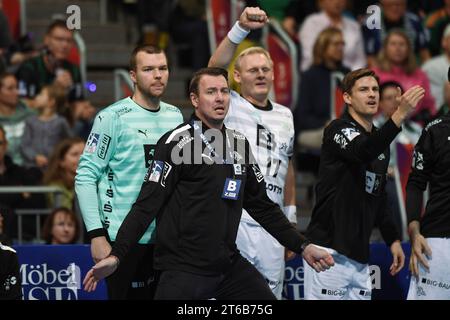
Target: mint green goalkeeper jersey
[{"x": 115, "y": 160}]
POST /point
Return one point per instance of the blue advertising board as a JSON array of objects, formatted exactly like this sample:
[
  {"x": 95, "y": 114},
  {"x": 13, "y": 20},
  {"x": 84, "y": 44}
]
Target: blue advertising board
[{"x": 56, "y": 272}]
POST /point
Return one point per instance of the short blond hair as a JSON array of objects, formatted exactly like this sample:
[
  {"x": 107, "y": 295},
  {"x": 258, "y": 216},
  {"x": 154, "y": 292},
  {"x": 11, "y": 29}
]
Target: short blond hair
[{"x": 250, "y": 51}]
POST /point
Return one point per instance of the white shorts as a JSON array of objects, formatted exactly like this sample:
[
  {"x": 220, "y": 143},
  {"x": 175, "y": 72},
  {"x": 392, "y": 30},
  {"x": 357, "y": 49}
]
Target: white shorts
[
  {"x": 264, "y": 252},
  {"x": 435, "y": 283},
  {"x": 346, "y": 280}
]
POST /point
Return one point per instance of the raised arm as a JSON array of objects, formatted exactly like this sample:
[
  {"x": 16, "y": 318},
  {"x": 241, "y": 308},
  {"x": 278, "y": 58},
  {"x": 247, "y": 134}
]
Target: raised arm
[{"x": 251, "y": 18}]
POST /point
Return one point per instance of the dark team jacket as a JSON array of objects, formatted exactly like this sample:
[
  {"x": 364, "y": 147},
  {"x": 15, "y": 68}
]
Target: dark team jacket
[
  {"x": 10, "y": 283},
  {"x": 350, "y": 194},
  {"x": 33, "y": 75},
  {"x": 196, "y": 226},
  {"x": 431, "y": 164}
]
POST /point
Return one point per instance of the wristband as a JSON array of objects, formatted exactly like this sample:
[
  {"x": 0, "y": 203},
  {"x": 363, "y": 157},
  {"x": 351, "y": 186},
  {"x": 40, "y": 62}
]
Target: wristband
[{"x": 237, "y": 34}]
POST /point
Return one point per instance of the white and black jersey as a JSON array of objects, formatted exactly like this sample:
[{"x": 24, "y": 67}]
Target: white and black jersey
[
  {"x": 10, "y": 283},
  {"x": 270, "y": 132},
  {"x": 431, "y": 164}
]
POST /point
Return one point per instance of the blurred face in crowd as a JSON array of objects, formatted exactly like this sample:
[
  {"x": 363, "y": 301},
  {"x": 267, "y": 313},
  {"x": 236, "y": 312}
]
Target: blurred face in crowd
[
  {"x": 255, "y": 75},
  {"x": 335, "y": 49},
  {"x": 388, "y": 102},
  {"x": 42, "y": 99},
  {"x": 83, "y": 110},
  {"x": 212, "y": 100},
  {"x": 151, "y": 74},
  {"x": 70, "y": 161},
  {"x": 446, "y": 44},
  {"x": 63, "y": 229},
  {"x": 59, "y": 42},
  {"x": 394, "y": 10},
  {"x": 397, "y": 49},
  {"x": 333, "y": 8},
  {"x": 3, "y": 145},
  {"x": 364, "y": 97},
  {"x": 9, "y": 93}
]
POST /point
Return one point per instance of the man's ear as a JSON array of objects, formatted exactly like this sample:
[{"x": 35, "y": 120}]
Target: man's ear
[
  {"x": 194, "y": 99},
  {"x": 237, "y": 76},
  {"x": 133, "y": 76},
  {"x": 347, "y": 98}
]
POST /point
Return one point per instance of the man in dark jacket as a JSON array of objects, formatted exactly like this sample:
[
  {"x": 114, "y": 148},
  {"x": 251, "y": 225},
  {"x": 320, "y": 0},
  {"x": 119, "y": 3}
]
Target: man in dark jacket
[
  {"x": 350, "y": 193},
  {"x": 202, "y": 175}
]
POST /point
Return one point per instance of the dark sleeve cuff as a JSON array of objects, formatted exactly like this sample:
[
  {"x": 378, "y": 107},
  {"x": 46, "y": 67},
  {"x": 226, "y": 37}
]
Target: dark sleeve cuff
[
  {"x": 97, "y": 233},
  {"x": 414, "y": 203},
  {"x": 392, "y": 127}
]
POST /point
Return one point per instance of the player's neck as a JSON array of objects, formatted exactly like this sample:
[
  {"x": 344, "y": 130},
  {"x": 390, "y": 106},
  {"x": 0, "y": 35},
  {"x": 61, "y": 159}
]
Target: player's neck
[
  {"x": 259, "y": 102},
  {"x": 210, "y": 123},
  {"x": 150, "y": 103},
  {"x": 364, "y": 120}
]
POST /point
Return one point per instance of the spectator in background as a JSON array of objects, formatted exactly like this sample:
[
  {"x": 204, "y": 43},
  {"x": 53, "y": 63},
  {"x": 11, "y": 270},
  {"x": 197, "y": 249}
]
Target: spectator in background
[
  {"x": 317, "y": 97},
  {"x": 13, "y": 113},
  {"x": 331, "y": 15},
  {"x": 436, "y": 23},
  {"x": 5, "y": 36},
  {"x": 436, "y": 69},
  {"x": 290, "y": 13},
  {"x": 61, "y": 227},
  {"x": 62, "y": 168},
  {"x": 396, "y": 62},
  {"x": 395, "y": 16},
  {"x": 408, "y": 136},
  {"x": 51, "y": 66},
  {"x": 80, "y": 115},
  {"x": 44, "y": 131},
  {"x": 13, "y": 175},
  {"x": 446, "y": 106},
  {"x": 188, "y": 25},
  {"x": 153, "y": 21}
]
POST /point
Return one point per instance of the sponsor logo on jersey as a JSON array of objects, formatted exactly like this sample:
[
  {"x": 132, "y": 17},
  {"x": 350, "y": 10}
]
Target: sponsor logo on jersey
[
  {"x": 237, "y": 169},
  {"x": 432, "y": 123},
  {"x": 238, "y": 136},
  {"x": 104, "y": 146},
  {"x": 92, "y": 142},
  {"x": 373, "y": 183},
  {"x": 332, "y": 292},
  {"x": 274, "y": 188},
  {"x": 184, "y": 141},
  {"x": 340, "y": 140},
  {"x": 156, "y": 171},
  {"x": 166, "y": 171},
  {"x": 123, "y": 111},
  {"x": 149, "y": 153},
  {"x": 265, "y": 138},
  {"x": 418, "y": 160},
  {"x": 143, "y": 132},
  {"x": 283, "y": 146},
  {"x": 350, "y": 133},
  {"x": 435, "y": 283},
  {"x": 381, "y": 157},
  {"x": 258, "y": 173}
]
